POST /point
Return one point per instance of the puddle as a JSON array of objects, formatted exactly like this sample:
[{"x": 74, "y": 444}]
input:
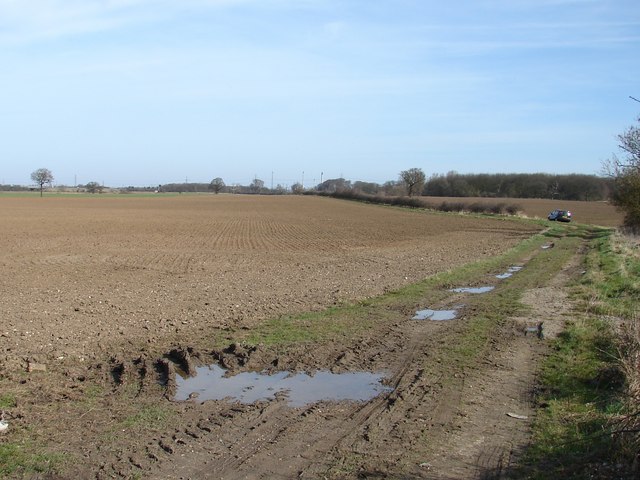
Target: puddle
[
  {"x": 435, "y": 315},
  {"x": 472, "y": 289},
  {"x": 300, "y": 389},
  {"x": 509, "y": 272}
]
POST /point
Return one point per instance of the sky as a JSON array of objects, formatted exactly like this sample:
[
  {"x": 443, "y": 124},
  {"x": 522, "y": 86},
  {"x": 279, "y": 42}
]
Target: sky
[{"x": 148, "y": 92}]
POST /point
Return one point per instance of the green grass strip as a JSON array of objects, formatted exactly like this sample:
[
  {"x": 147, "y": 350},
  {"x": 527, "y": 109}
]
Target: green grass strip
[
  {"x": 580, "y": 396},
  {"x": 582, "y": 385}
]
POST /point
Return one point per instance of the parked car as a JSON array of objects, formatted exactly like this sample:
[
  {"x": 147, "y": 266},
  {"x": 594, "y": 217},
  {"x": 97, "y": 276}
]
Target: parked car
[{"x": 560, "y": 215}]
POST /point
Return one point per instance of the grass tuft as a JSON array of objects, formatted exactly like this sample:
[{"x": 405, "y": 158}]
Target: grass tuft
[
  {"x": 148, "y": 417},
  {"x": 17, "y": 460},
  {"x": 7, "y": 401}
]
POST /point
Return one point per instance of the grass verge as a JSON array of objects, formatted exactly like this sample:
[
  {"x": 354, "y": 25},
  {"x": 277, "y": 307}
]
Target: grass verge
[
  {"x": 580, "y": 396},
  {"x": 585, "y": 428}
]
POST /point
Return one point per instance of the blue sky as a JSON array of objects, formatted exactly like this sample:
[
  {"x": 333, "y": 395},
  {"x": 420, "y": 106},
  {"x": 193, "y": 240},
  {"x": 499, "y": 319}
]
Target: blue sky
[{"x": 144, "y": 92}]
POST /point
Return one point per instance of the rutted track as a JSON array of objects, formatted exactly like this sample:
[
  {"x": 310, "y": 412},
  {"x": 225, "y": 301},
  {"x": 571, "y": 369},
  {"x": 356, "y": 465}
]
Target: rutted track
[{"x": 440, "y": 421}]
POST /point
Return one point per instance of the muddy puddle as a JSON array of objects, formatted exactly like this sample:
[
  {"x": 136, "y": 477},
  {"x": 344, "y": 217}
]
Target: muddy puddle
[
  {"x": 435, "y": 315},
  {"x": 473, "y": 289},
  {"x": 509, "y": 272},
  {"x": 300, "y": 389}
]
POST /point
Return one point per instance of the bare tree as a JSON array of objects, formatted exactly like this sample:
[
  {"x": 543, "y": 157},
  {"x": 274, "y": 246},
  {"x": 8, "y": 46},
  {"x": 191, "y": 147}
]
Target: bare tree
[
  {"x": 413, "y": 179},
  {"x": 626, "y": 175},
  {"x": 217, "y": 185},
  {"x": 41, "y": 177},
  {"x": 297, "y": 188},
  {"x": 256, "y": 186},
  {"x": 94, "y": 187},
  {"x": 393, "y": 187}
]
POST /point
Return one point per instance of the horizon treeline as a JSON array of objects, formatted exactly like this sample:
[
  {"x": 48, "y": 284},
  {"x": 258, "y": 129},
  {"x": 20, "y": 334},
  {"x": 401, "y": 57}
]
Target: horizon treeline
[
  {"x": 499, "y": 185},
  {"x": 520, "y": 185}
]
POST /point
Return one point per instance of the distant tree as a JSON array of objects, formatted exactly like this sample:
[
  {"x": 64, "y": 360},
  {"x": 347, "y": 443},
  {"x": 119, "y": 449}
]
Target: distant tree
[
  {"x": 366, "y": 187},
  {"x": 438, "y": 186},
  {"x": 393, "y": 188},
  {"x": 626, "y": 175},
  {"x": 413, "y": 180},
  {"x": 461, "y": 186},
  {"x": 41, "y": 177},
  {"x": 334, "y": 185},
  {"x": 256, "y": 186},
  {"x": 183, "y": 187},
  {"x": 94, "y": 187},
  {"x": 217, "y": 185},
  {"x": 297, "y": 188}
]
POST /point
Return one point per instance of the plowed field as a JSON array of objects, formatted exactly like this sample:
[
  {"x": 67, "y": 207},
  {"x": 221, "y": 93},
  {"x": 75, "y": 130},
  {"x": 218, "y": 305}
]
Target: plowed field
[
  {"x": 99, "y": 295},
  {"x": 81, "y": 275}
]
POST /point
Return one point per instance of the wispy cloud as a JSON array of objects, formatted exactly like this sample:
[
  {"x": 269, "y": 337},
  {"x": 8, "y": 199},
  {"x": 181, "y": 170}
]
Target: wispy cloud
[
  {"x": 43, "y": 19},
  {"x": 35, "y": 20}
]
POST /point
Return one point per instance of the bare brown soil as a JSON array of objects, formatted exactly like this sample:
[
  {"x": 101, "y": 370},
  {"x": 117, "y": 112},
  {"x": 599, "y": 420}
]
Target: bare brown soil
[{"x": 101, "y": 297}]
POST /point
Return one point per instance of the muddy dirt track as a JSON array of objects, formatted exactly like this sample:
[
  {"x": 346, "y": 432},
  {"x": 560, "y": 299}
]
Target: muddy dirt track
[{"x": 102, "y": 299}]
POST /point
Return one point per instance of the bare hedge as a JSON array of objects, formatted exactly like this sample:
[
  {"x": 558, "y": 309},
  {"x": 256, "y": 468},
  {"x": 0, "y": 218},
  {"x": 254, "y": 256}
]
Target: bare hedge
[{"x": 487, "y": 208}]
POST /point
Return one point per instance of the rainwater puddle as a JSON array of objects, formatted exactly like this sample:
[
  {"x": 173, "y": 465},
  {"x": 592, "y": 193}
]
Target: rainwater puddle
[
  {"x": 435, "y": 315},
  {"x": 472, "y": 289},
  {"x": 509, "y": 272},
  {"x": 300, "y": 389}
]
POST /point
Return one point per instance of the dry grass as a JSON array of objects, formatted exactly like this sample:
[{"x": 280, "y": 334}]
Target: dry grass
[
  {"x": 623, "y": 275},
  {"x": 628, "y": 425}
]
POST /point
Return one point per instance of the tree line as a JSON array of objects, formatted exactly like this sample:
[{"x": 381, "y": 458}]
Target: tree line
[
  {"x": 413, "y": 182},
  {"x": 520, "y": 185}
]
